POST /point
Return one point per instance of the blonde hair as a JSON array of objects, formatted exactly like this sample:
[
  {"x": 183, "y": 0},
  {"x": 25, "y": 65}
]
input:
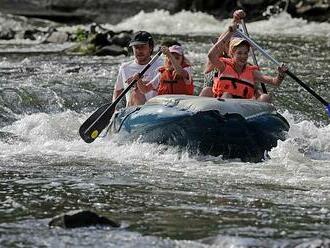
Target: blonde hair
[
  {"x": 185, "y": 61},
  {"x": 237, "y": 42}
]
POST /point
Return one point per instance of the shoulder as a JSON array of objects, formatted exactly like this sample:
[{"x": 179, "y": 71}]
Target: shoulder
[
  {"x": 158, "y": 63},
  {"x": 155, "y": 67},
  {"x": 127, "y": 64}
]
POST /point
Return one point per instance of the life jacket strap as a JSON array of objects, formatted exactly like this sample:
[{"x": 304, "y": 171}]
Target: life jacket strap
[
  {"x": 236, "y": 80},
  {"x": 170, "y": 81}
]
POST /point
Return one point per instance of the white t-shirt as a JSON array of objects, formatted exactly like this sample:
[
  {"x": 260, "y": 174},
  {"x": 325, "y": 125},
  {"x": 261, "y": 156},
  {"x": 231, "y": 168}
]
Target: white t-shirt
[
  {"x": 156, "y": 80},
  {"x": 128, "y": 69}
]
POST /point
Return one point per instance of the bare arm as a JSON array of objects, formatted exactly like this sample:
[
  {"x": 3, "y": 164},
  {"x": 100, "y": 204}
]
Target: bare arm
[
  {"x": 217, "y": 51},
  {"x": 259, "y": 77},
  {"x": 144, "y": 87},
  {"x": 220, "y": 47}
]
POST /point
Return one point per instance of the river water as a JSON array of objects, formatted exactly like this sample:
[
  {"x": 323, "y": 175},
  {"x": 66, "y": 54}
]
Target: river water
[{"x": 161, "y": 198}]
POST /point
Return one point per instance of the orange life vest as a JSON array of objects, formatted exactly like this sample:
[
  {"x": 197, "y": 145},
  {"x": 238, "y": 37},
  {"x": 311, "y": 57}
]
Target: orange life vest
[
  {"x": 169, "y": 85},
  {"x": 238, "y": 85}
]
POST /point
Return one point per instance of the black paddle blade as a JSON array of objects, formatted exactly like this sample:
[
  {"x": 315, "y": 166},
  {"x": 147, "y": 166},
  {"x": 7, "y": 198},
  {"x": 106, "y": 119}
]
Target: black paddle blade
[{"x": 94, "y": 125}]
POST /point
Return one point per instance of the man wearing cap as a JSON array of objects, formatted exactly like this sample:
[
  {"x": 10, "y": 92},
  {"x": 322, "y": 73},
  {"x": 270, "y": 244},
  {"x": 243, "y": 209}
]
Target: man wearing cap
[{"x": 142, "y": 44}]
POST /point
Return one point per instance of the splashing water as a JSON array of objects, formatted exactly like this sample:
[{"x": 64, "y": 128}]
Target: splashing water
[
  {"x": 162, "y": 22},
  {"x": 162, "y": 196}
]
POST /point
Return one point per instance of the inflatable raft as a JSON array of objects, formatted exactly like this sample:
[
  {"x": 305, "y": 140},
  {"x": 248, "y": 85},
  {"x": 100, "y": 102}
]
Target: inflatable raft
[{"x": 232, "y": 128}]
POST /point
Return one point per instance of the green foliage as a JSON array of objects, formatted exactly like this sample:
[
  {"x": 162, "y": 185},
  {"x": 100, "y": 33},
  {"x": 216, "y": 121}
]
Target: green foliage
[{"x": 81, "y": 35}]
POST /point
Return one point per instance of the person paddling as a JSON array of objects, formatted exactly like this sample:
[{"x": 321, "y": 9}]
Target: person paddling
[
  {"x": 175, "y": 77},
  {"x": 236, "y": 78},
  {"x": 210, "y": 71},
  {"x": 142, "y": 44}
]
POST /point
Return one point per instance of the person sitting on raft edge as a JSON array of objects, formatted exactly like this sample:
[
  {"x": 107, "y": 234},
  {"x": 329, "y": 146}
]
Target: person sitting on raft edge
[
  {"x": 175, "y": 77},
  {"x": 142, "y": 44},
  {"x": 236, "y": 77}
]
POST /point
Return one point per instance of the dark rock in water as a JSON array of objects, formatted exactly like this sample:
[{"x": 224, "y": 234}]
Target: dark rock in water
[
  {"x": 81, "y": 218},
  {"x": 29, "y": 34},
  {"x": 122, "y": 39},
  {"x": 7, "y": 34},
  {"x": 57, "y": 37},
  {"x": 315, "y": 10},
  {"x": 10, "y": 138},
  {"x": 105, "y": 43},
  {"x": 112, "y": 50},
  {"x": 73, "y": 70}
]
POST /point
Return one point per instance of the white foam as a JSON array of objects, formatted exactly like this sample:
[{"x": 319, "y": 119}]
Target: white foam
[
  {"x": 186, "y": 22},
  {"x": 58, "y": 134},
  {"x": 303, "y": 160},
  {"x": 305, "y": 141},
  {"x": 162, "y": 22},
  {"x": 284, "y": 24}
]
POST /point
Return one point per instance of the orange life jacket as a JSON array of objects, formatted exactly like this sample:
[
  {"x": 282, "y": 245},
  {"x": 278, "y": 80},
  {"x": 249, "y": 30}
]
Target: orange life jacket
[
  {"x": 169, "y": 85},
  {"x": 238, "y": 85}
]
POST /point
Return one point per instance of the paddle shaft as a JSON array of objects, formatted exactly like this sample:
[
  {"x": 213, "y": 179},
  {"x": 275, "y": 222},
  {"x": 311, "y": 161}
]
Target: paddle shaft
[
  {"x": 263, "y": 52},
  {"x": 91, "y": 128},
  {"x": 263, "y": 86},
  {"x": 123, "y": 93},
  {"x": 115, "y": 102}
]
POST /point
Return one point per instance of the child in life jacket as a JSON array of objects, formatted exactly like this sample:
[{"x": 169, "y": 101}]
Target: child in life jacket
[
  {"x": 236, "y": 78},
  {"x": 175, "y": 77},
  {"x": 211, "y": 74}
]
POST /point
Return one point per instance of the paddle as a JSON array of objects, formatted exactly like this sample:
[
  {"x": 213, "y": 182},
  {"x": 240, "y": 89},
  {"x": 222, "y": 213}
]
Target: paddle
[
  {"x": 263, "y": 52},
  {"x": 100, "y": 119},
  {"x": 263, "y": 86}
]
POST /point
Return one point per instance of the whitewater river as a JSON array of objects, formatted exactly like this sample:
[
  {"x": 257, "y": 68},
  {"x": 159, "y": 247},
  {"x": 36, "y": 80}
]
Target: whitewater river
[{"x": 161, "y": 198}]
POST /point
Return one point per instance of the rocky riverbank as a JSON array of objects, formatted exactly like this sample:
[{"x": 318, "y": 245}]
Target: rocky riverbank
[{"x": 114, "y": 11}]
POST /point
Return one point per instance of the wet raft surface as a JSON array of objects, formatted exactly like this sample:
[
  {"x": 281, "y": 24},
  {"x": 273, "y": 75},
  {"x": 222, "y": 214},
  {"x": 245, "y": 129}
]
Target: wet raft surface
[{"x": 232, "y": 128}]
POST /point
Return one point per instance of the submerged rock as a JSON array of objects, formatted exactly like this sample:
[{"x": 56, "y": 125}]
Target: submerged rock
[
  {"x": 7, "y": 34},
  {"x": 81, "y": 218},
  {"x": 101, "y": 42},
  {"x": 57, "y": 37},
  {"x": 112, "y": 50}
]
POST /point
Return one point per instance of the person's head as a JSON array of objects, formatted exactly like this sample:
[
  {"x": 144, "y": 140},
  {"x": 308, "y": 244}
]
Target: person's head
[
  {"x": 239, "y": 50},
  {"x": 143, "y": 45},
  {"x": 177, "y": 52}
]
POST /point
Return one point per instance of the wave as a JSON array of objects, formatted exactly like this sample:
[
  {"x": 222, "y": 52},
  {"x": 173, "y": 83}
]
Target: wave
[
  {"x": 187, "y": 22},
  {"x": 58, "y": 134},
  {"x": 306, "y": 142},
  {"x": 180, "y": 23}
]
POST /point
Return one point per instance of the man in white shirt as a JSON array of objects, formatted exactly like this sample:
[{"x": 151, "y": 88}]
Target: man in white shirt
[{"x": 142, "y": 44}]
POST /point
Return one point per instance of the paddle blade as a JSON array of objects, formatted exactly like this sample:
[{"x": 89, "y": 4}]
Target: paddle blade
[
  {"x": 328, "y": 108},
  {"x": 94, "y": 125}
]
